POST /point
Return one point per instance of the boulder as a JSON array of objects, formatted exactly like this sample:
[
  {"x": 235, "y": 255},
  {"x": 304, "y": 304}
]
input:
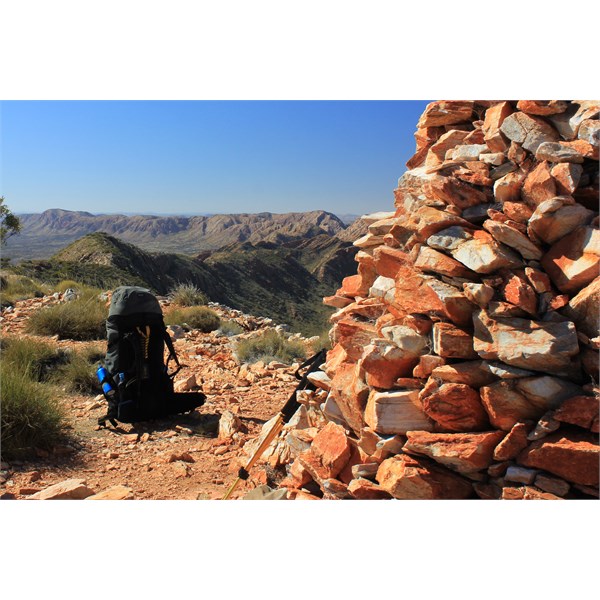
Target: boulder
[
  {"x": 462, "y": 452},
  {"x": 536, "y": 345},
  {"x": 582, "y": 411},
  {"x": 472, "y": 373},
  {"x": 573, "y": 261},
  {"x": 450, "y": 341},
  {"x": 584, "y": 309},
  {"x": 70, "y": 489},
  {"x": 363, "y": 489},
  {"x": 539, "y": 185},
  {"x": 494, "y": 117},
  {"x": 483, "y": 254},
  {"x": 515, "y": 441},
  {"x": 567, "y": 177},
  {"x": 410, "y": 478},
  {"x": 513, "y": 238},
  {"x": 555, "y": 218},
  {"x": 117, "y": 492},
  {"x": 555, "y": 152},
  {"x": 446, "y": 112},
  {"x": 528, "y": 131},
  {"x": 571, "y": 456},
  {"x": 454, "y": 407},
  {"x": 396, "y": 412}
]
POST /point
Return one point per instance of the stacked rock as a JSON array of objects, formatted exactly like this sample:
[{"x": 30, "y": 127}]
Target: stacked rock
[{"x": 464, "y": 359}]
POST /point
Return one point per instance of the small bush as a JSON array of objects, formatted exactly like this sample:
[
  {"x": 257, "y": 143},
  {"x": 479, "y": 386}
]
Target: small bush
[
  {"x": 31, "y": 358},
  {"x": 229, "y": 328},
  {"x": 17, "y": 287},
  {"x": 65, "y": 284},
  {"x": 187, "y": 294},
  {"x": 269, "y": 346},
  {"x": 195, "y": 317},
  {"x": 31, "y": 415},
  {"x": 77, "y": 375},
  {"x": 81, "y": 319},
  {"x": 322, "y": 343}
]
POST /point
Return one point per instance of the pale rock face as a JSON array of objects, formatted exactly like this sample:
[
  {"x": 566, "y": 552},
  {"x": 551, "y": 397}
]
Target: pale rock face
[
  {"x": 449, "y": 239},
  {"x": 589, "y": 131},
  {"x": 533, "y": 345},
  {"x": 572, "y": 262},
  {"x": 553, "y": 219},
  {"x": 469, "y": 151},
  {"x": 584, "y": 309},
  {"x": 515, "y": 239},
  {"x": 407, "y": 340},
  {"x": 390, "y": 413},
  {"x": 462, "y": 452},
  {"x": 555, "y": 152},
  {"x": 528, "y": 131},
  {"x": 486, "y": 256}
]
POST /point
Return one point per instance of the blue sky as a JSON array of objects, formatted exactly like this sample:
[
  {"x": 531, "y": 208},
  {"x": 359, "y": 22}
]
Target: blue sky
[{"x": 193, "y": 157}]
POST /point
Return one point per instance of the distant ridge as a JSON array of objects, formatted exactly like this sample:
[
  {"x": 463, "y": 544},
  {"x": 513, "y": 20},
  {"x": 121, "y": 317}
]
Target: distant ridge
[{"x": 45, "y": 233}]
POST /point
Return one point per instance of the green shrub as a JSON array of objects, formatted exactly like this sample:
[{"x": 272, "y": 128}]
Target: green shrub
[
  {"x": 17, "y": 287},
  {"x": 81, "y": 319},
  {"x": 33, "y": 358},
  {"x": 322, "y": 343},
  {"x": 77, "y": 375},
  {"x": 31, "y": 414},
  {"x": 187, "y": 294},
  {"x": 65, "y": 284},
  {"x": 230, "y": 328},
  {"x": 269, "y": 346},
  {"x": 194, "y": 317}
]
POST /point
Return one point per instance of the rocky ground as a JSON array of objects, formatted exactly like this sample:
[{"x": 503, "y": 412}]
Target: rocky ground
[{"x": 184, "y": 457}]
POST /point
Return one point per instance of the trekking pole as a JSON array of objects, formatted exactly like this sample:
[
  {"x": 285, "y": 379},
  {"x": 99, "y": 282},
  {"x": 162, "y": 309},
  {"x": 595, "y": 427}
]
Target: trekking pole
[{"x": 286, "y": 413}]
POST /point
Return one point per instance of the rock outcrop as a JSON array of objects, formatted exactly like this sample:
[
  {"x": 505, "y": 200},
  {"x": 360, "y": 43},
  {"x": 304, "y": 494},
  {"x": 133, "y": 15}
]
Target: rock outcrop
[{"x": 464, "y": 359}]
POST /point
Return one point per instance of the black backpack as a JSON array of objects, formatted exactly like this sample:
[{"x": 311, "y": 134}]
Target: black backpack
[{"x": 142, "y": 386}]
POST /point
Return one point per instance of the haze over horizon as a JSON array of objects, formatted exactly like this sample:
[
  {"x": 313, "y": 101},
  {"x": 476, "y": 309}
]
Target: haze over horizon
[{"x": 205, "y": 157}]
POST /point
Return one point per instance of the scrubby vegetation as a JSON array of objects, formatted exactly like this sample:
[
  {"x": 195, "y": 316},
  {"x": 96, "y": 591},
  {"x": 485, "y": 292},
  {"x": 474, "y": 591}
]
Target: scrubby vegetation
[
  {"x": 80, "y": 319},
  {"x": 323, "y": 342},
  {"x": 269, "y": 346},
  {"x": 15, "y": 287},
  {"x": 194, "y": 317},
  {"x": 187, "y": 294},
  {"x": 32, "y": 374},
  {"x": 230, "y": 328}
]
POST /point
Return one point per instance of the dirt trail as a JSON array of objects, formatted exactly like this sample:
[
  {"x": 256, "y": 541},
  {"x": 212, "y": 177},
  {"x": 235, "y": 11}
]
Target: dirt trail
[{"x": 175, "y": 458}]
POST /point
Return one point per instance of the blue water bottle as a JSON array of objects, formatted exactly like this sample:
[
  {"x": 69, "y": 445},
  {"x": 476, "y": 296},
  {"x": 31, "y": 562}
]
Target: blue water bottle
[{"x": 104, "y": 380}]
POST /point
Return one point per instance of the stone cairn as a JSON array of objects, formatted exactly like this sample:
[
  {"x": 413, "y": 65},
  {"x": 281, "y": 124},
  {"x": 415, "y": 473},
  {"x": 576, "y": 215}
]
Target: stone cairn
[{"x": 464, "y": 359}]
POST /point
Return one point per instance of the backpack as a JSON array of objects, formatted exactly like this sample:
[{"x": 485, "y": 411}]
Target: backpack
[{"x": 135, "y": 366}]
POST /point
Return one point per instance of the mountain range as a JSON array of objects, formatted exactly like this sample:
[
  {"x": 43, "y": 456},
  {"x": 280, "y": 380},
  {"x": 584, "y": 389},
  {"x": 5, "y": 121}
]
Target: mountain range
[{"x": 43, "y": 234}]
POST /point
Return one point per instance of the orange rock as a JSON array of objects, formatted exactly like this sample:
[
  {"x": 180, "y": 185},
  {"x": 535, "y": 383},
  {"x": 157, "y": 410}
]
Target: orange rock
[
  {"x": 350, "y": 392},
  {"x": 584, "y": 148},
  {"x": 517, "y": 291},
  {"x": 451, "y": 342},
  {"x": 573, "y": 261},
  {"x": 454, "y": 407},
  {"x": 515, "y": 441},
  {"x": 468, "y": 373},
  {"x": 446, "y": 112},
  {"x": 538, "y": 279},
  {"x": 453, "y": 192},
  {"x": 396, "y": 412},
  {"x": 557, "y": 217},
  {"x": 513, "y": 238},
  {"x": 462, "y": 452},
  {"x": 567, "y": 176},
  {"x": 494, "y": 117},
  {"x": 432, "y": 261},
  {"x": 517, "y": 211},
  {"x": 384, "y": 362},
  {"x": 363, "y": 489},
  {"x": 584, "y": 309},
  {"x": 539, "y": 185},
  {"x": 579, "y": 410},
  {"x": 447, "y": 141},
  {"x": 572, "y": 456},
  {"x": 427, "y": 364},
  {"x": 353, "y": 335},
  {"x": 542, "y": 107},
  {"x": 332, "y": 448},
  {"x": 426, "y": 136},
  {"x": 528, "y": 131},
  {"x": 409, "y": 478}
]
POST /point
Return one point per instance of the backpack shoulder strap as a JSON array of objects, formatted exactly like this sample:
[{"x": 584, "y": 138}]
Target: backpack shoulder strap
[{"x": 172, "y": 354}]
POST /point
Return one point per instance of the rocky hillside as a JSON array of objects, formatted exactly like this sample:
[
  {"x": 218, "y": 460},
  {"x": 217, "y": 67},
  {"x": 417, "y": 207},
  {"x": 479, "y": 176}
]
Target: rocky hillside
[
  {"x": 284, "y": 282},
  {"x": 45, "y": 233}
]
